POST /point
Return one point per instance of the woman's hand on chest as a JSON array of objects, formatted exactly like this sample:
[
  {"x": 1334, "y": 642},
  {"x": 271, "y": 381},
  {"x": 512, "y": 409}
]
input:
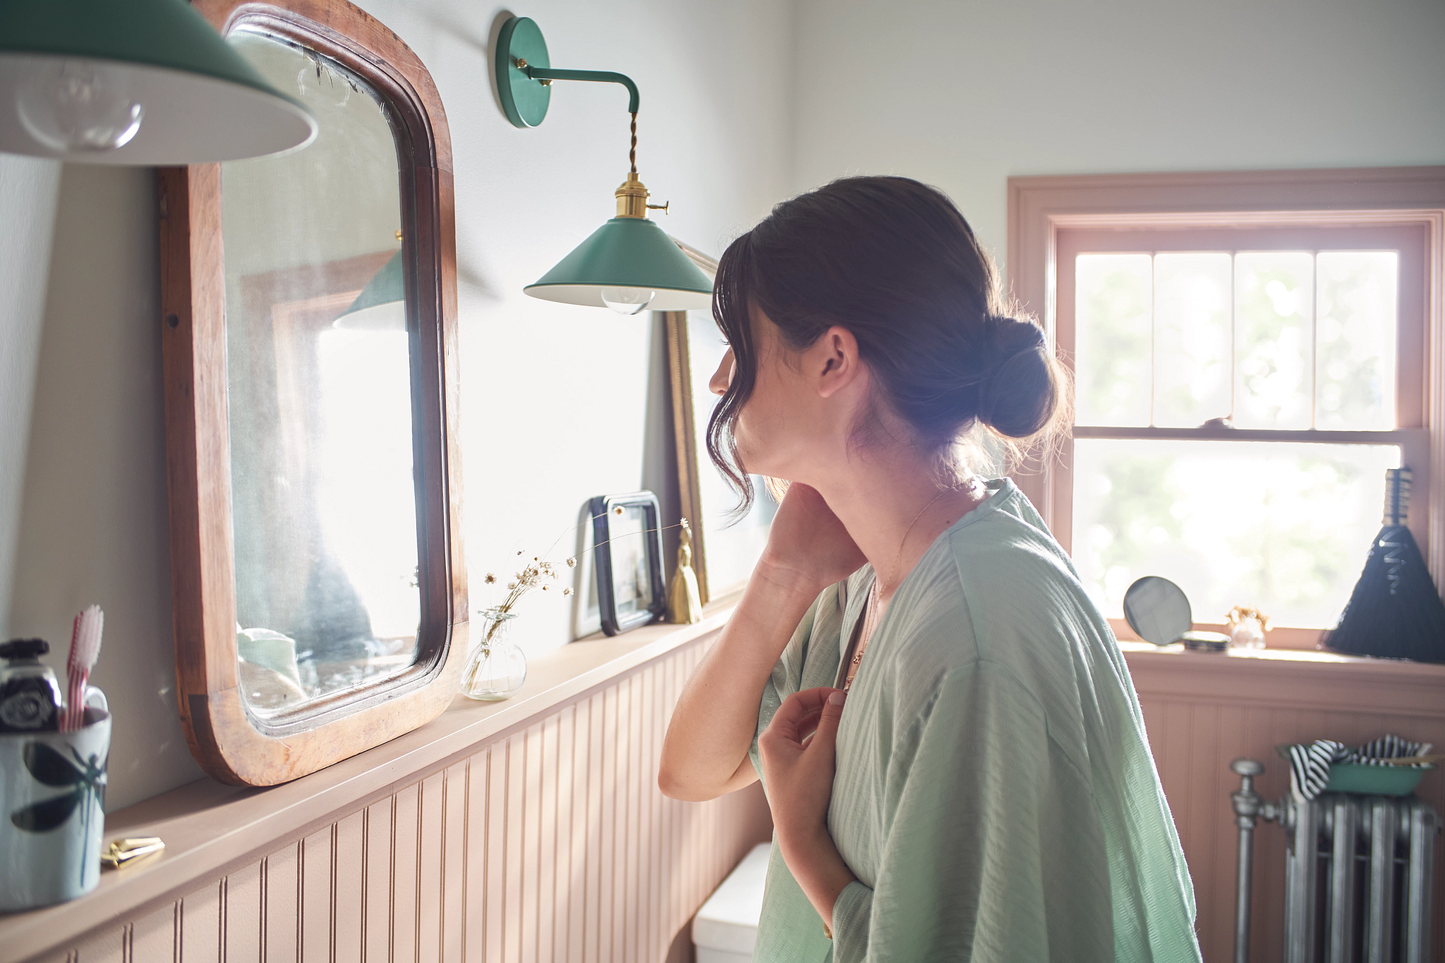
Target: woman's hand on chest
[{"x": 798, "y": 752}]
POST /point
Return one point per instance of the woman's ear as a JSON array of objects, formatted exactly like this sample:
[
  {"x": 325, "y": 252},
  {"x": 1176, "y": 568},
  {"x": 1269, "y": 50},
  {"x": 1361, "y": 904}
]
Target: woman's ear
[{"x": 833, "y": 360}]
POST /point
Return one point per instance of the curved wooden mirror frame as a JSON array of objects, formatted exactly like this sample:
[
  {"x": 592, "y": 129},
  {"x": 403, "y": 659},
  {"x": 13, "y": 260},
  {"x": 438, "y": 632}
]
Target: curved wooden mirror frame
[{"x": 231, "y": 743}]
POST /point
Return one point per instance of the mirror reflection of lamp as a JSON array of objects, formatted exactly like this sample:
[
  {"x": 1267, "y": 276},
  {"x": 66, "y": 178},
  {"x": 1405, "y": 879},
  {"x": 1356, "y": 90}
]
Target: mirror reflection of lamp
[
  {"x": 629, "y": 264},
  {"x": 381, "y": 305},
  {"x": 144, "y": 82}
]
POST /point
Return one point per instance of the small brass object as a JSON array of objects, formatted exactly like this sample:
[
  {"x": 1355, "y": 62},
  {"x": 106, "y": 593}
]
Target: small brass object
[
  {"x": 521, "y": 63},
  {"x": 659, "y": 207},
  {"x": 545, "y": 81},
  {"x": 123, "y": 851},
  {"x": 684, "y": 601}
]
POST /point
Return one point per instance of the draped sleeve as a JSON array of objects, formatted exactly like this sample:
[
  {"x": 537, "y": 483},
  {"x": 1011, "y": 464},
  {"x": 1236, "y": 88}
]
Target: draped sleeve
[{"x": 788, "y": 673}]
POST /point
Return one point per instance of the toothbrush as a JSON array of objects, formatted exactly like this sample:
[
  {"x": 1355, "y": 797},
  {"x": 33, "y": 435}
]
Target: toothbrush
[{"x": 84, "y": 649}]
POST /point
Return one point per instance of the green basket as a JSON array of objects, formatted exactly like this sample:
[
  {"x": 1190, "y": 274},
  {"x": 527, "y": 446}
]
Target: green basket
[{"x": 1374, "y": 780}]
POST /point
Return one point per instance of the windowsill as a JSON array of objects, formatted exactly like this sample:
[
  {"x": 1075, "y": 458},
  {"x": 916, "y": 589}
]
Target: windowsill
[
  {"x": 211, "y": 829},
  {"x": 1287, "y": 677}
]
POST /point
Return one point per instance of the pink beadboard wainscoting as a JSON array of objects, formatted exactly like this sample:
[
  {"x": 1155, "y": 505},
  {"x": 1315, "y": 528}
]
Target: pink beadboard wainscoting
[
  {"x": 525, "y": 830},
  {"x": 1203, "y": 710}
]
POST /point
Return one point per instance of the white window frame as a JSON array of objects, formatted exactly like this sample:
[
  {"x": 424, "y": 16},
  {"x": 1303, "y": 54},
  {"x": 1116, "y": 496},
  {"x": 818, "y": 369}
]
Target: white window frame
[{"x": 1053, "y": 218}]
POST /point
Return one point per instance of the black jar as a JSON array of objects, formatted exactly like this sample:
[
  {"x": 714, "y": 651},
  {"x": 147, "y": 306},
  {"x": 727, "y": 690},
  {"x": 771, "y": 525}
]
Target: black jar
[{"x": 29, "y": 693}]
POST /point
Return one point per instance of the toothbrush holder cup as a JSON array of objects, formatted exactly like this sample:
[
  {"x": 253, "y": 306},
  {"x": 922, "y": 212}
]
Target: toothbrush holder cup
[{"x": 52, "y": 810}]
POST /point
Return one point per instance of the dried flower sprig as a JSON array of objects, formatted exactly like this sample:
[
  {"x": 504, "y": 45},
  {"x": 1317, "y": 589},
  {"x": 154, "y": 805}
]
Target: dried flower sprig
[
  {"x": 1241, "y": 612},
  {"x": 538, "y": 574}
]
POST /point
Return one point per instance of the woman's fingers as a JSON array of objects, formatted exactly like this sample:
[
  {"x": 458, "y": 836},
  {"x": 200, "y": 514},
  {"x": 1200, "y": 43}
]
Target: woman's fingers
[
  {"x": 825, "y": 738},
  {"x": 805, "y": 714}
]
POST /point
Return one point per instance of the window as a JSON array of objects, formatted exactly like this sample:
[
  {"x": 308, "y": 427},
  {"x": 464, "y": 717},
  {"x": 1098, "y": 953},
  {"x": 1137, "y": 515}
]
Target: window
[{"x": 1243, "y": 378}]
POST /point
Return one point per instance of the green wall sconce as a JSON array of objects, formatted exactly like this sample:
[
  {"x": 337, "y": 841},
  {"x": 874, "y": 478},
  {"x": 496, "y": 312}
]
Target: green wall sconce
[
  {"x": 144, "y": 82},
  {"x": 381, "y": 305},
  {"x": 629, "y": 264}
]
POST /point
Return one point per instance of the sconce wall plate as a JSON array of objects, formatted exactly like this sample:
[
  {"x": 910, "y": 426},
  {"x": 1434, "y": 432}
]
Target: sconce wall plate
[{"x": 524, "y": 100}]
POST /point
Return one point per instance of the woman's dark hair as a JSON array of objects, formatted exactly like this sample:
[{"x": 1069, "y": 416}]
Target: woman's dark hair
[{"x": 894, "y": 262}]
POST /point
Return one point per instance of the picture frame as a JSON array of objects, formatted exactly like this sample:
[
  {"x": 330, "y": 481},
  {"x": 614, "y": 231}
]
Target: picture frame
[
  {"x": 725, "y": 547},
  {"x": 627, "y": 558}
]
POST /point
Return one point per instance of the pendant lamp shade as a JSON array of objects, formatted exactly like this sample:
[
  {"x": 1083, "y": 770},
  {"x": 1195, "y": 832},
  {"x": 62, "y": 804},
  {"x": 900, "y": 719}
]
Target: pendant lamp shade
[
  {"x": 627, "y": 256},
  {"x": 146, "y": 82},
  {"x": 381, "y": 305}
]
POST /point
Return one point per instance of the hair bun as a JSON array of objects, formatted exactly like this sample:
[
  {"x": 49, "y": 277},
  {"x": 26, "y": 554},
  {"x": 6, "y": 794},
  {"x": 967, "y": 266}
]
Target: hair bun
[
  {"x": 1019, "y": 397},
  {"x": 1009, "y": 336}
]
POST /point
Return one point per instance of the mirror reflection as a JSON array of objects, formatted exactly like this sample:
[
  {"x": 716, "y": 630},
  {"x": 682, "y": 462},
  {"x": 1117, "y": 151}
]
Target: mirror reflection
[{"x": 320, "y": 396}]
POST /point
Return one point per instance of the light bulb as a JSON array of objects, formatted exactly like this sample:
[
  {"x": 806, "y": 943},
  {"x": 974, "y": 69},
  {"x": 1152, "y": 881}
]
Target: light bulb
[
  {"x": 627, "y": 300},
  {"x": 78, "y": 105}
]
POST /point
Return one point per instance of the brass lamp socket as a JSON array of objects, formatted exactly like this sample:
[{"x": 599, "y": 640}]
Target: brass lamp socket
[{"x": 632, "y": 198}]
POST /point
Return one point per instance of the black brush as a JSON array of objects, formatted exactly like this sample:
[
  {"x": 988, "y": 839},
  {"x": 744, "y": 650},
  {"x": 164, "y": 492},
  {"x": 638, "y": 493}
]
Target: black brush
[{"x": 1395, "y": 611}]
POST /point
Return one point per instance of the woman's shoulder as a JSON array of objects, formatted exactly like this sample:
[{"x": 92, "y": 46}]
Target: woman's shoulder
[
  {"x": 999, "y": 589},
  {"x": 1005, "y": 557}
]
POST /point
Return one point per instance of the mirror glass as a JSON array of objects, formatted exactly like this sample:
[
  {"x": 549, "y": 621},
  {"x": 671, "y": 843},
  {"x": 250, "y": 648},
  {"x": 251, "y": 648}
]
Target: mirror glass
[
  {"x": 324, "y": 504},
  {"x": 1157, "y": 610}
]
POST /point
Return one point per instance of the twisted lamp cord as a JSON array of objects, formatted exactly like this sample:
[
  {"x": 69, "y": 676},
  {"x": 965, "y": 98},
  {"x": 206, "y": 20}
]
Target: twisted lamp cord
[{"x": 632, "y": 153}]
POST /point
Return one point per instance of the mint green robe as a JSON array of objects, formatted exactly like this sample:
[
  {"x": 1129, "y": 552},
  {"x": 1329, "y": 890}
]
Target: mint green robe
[{"x": 994, "y": 795}]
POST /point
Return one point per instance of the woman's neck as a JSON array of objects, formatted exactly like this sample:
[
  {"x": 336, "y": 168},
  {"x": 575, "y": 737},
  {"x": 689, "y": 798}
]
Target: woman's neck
[{"x": 894, "y": 509}]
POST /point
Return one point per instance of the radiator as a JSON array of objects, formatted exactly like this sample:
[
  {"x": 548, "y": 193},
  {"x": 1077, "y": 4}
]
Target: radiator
[{"x": 1357, "y": 874}]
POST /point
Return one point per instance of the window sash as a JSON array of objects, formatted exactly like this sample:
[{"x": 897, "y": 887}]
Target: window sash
[
  {"x": 1410, "y": 240},
  {"x": 1410, "y": 434}
]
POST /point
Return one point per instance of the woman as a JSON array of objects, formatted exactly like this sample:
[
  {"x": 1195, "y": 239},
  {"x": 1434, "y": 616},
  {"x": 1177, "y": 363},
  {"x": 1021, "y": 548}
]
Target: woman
[{"x": 948, "y": 737}]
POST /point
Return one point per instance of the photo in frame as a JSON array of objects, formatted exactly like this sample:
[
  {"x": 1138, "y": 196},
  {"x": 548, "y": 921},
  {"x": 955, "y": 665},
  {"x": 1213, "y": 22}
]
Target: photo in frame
[
  {"x": 725, "y": 547},
  {"x": 627, "y": 559}
]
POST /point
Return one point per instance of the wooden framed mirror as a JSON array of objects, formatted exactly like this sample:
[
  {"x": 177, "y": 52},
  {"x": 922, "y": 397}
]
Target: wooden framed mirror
[{"x": 310, "y": 358}]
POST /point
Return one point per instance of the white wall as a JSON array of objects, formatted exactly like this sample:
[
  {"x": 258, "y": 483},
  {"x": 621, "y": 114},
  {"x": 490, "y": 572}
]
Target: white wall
[
  {"x": 965, "y": 94},
  {"x": 559, "y": 403},
  {"x": 93, "y": 525},
  {"x": 27, "y": 201}
]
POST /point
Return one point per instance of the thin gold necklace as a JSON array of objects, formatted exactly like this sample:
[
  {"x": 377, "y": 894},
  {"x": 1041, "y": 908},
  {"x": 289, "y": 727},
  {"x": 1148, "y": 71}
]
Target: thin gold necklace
[{"x": 871, "y": 614}]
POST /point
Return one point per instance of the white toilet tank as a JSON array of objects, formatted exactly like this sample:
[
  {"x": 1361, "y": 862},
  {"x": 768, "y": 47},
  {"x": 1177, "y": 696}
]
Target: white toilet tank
[{"x": 726, "y": 927}]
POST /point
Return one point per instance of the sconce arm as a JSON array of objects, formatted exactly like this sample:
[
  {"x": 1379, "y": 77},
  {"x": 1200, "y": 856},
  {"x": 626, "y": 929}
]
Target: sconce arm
[{"x": 597, "y": 76}]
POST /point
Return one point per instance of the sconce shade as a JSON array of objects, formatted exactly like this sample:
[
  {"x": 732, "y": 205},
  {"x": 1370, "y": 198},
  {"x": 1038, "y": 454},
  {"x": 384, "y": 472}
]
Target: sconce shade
[
  {"x": 627, "y": 252},
  {"x": 381, "y": 305},
  {"x": 145, "y": 82}
]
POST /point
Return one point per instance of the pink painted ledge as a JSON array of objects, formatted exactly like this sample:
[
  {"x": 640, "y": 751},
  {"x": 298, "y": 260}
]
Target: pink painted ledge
[{"x": 1291, "y": 678}]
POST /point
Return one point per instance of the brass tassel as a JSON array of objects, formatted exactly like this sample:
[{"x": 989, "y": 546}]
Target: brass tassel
[{"x": 684, "y": 602}]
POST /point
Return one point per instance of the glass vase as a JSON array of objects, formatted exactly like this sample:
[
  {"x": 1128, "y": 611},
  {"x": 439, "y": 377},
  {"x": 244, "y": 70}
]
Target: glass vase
[{"x": 496, "y": 667}]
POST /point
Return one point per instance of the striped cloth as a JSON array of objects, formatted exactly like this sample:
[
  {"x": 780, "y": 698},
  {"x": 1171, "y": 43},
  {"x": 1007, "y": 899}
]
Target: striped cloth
[{"x": 1309, "y": 763}]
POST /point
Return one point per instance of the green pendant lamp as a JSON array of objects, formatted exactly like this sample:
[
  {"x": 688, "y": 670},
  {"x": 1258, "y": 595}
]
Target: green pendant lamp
[
  {"x": 628, "y": 264},
  {"x": 145, "y": 82},
  {"x": 381, "y": 305}
]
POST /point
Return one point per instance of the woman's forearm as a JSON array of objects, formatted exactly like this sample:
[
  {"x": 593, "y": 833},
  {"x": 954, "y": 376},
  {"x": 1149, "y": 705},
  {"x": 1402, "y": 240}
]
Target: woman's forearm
[
  {"x": 716, "y": 717},
  {"x": 816, "y": 864}
]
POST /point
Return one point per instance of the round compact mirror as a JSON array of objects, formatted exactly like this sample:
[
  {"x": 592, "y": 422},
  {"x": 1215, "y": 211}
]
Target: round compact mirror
[{"x": 1157, "y": 610}]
